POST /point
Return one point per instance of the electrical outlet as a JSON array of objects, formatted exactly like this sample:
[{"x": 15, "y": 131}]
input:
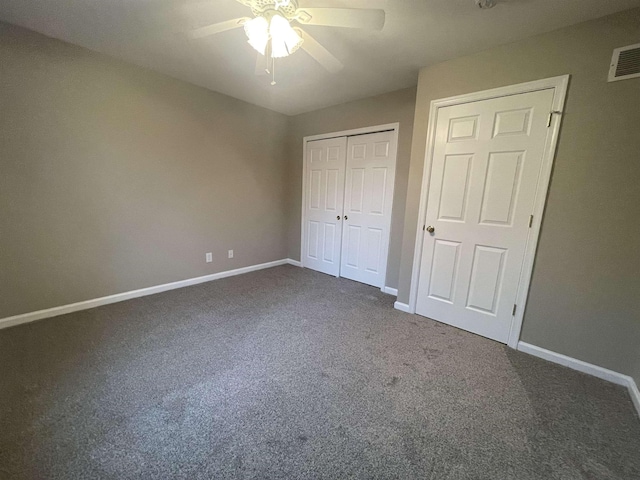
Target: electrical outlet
[
  {"x": 230, "y": 253},
  {"x": 209, "y": 257}
]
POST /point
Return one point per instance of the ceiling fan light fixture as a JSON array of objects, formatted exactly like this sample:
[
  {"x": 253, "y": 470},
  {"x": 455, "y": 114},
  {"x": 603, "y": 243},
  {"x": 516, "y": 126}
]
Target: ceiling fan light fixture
[
  {"x": 270, "y": 33},
  {"x": 257, "y": 30},
  {"x": 284, "y": 39}
]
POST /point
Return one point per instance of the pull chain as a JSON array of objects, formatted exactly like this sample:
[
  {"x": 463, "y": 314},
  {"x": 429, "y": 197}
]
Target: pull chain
[
  {"x": 273, "y": 71},
  {"x": 268, "y": 56}
]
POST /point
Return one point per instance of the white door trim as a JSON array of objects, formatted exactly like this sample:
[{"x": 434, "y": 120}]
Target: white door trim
[
  {"x": 344, "y": 133},
  {"x": 559, "y": 85}
]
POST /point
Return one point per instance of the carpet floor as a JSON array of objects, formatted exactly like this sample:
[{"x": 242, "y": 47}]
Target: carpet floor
[{"x": 287, "y": 373}]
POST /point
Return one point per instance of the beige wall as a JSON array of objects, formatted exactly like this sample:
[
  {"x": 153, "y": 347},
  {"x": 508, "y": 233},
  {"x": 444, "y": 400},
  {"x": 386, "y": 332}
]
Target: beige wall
[
  {"x": 585, "y": 294},
  {"x": 391, "y": 107},
  {"x": 114, "y": 178}
]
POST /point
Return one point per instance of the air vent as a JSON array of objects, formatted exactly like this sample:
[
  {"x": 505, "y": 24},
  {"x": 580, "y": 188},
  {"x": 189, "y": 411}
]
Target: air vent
[{"x": 625, "y": 63}]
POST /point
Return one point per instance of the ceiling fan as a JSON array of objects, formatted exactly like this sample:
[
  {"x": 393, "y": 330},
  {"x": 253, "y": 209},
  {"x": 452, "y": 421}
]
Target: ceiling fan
[{"x": 271, "y": 33}]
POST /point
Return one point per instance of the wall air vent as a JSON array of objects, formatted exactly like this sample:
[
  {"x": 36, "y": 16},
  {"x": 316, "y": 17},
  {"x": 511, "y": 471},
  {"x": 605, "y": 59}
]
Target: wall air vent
[{"x": 625, "y": 63}]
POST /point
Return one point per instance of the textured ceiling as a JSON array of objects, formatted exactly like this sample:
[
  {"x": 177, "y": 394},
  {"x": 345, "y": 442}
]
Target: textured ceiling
[{"x": 417, "y": 33}]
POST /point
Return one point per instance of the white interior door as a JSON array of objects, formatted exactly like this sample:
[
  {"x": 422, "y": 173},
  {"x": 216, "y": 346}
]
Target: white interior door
[
  {"x": 324, "y": 199},
  {"x": 486, "y": 164},
  {"x": 370, "y": 176}
]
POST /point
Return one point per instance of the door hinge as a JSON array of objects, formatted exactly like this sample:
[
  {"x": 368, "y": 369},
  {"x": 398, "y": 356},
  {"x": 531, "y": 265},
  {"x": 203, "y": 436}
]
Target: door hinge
[
  {"x": 550, "y": 117},
  {"x": 515, "y": 307},
  {"x": 530, "y": 220}
]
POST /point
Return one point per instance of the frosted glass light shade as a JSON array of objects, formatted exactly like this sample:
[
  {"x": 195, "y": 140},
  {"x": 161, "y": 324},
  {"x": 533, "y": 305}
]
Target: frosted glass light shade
[
  {"x": 284, "y": 39},
  {"x": 257, "y": 30}
]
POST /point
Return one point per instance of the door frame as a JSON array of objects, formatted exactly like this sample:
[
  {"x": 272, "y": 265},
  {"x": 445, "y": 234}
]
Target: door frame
[
  {"x": 395, "y": 127},
  {"x": 560, "y": 85}
]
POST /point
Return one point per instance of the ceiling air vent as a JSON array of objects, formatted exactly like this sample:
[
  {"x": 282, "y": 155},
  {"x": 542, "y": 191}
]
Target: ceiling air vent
[{"x": 625, "y": 63}]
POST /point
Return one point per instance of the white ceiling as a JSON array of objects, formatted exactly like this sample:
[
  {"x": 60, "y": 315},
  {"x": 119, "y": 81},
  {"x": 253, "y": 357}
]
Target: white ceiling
[{"x": 417, "y": 33}]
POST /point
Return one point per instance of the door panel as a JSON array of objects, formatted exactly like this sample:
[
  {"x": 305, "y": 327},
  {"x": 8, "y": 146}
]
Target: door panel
[
  {"x": 332, "y": 190},
  {"x": 486, "y": 162},
  {"x": 370, "y": 176},
  {"x": 330, "y": 238},
  {"x": 486, "y": 278},
  {"x": 313, "y": 240},
  {"x": 378, "y": 187},
  {"x": 444, "y": 267},
  {"x": 455, "y": 188},
  {"x": 373, "y": 251},
  {"x": 502, "y": 183},
  {"x": 352, "y": 241},
  {"x": 356, "y": 192},
  {"x": 325, "y": 198}
]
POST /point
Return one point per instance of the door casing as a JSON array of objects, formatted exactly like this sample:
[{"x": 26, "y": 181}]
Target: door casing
[
  {"x": 559, "y": 85},
  {"x": 395, "y": 127}
]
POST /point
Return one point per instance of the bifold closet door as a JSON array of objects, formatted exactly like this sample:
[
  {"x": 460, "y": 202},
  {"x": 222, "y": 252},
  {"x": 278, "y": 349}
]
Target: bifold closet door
[
  {"x": 370, "y": 176},
  {"x": 324, "y": 199}
]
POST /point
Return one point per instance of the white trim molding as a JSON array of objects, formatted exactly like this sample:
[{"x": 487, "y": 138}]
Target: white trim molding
[
  {"x": 355, "y": 131},
  {"x": 390, "y": 291},
  {"x": 635, "y": 395},
  {"x": 559, "y": 85},
  {"x": 295, "y": 263},
  {"x": 403, "y": 307},
  {"x": 584, "y": 367},
  {"x": 120, "y": 297}
]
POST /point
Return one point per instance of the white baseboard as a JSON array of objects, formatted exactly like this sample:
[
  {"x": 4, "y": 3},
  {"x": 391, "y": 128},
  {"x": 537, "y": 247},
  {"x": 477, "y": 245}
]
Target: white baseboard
[
  {"x": 119, "y": 297},
  {"x": 635, "y": 395},
  {"x": 403, "y": 307},
  {"x": 574, "y": 364},
  {"x": 390, "y": 291},
  {"x": 295, "y": 263},
  {"x": 584, "y": 367}
]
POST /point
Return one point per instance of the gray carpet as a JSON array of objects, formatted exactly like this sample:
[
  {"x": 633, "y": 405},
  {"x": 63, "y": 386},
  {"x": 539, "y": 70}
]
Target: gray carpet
[{"x": 289, "y": 373}]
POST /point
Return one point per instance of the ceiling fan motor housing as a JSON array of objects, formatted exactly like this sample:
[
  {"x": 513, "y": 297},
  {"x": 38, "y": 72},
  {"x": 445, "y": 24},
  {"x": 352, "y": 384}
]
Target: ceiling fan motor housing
[
  {"x": 486, "y": 3},
  {"x": 260, "y": 7}
]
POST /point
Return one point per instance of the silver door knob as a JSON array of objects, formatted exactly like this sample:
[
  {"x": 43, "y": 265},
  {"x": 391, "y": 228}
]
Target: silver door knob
[
  {"x": 338, "y": 217},
  {"x": 430, "y": 229}
]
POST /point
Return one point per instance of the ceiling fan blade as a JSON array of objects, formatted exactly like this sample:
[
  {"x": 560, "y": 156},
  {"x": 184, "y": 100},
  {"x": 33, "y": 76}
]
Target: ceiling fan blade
[
  {"x": 217, "y": 28},
  {"x": 319, "y": 53},
  {"x": 342, "y": 17}
]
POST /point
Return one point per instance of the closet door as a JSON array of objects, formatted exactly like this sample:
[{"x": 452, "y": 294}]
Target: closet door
[
  {"x": 370, "y": 176},
  {"x": 324, "y": 198}
]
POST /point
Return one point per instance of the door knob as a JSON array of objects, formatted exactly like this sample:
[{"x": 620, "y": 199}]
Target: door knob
[
  {"x": 338, "y": 217},
  {"x": 346, "y": 218},
  {"x": 430, "y": 229}
]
